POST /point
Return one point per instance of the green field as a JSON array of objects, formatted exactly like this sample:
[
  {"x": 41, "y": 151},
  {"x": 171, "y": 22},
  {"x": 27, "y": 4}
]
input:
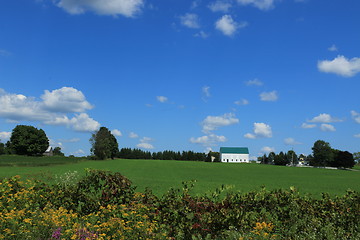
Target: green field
[{"x": 159, "y": 176}]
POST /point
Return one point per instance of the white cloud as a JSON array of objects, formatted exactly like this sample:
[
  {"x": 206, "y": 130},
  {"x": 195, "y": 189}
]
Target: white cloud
[
  {"x": 261, "y": 130},
  {"x": 127, "y": 8},
  {"x": 340, "y": 66},
  {"x": 4, "y": 136},
  {"x": 228, "y": 26},
  {"x": 333, "y": 48},
  {"x": 190, "y": 20},
  {"x": 267, "y": 149},
  {"x": 78, "y": 153},
  {"x": 357, "y": 135},
  {"x": 206, "y": 93},
  {"x": 327, "y": 127},
  {"x": 260, "y": 4},
  {"x": 162, "y": 99},
  {"x": 65, "y": 99},
  {"x": 195, "y": 4},
  {"x": 291, "y": 141},
  {"x": 220, "y": 6},
  {"x": 306, "y": 126},
  {"x": 254, "y": 82},
  {"x": 144, "y": 143},
  {"x": 269, "y": 96},
  {"x": 116, "y": 132},
  {"x": 201, "y": 34},
  {"x": 324, "y": 118},
  {"x": 133, "y": 135},
  {"x": 18, "y": 107},
  {"x": 242, "y": 102},
  {"x": 356, "y": 116},
  {"x": 211, "y": 123},
  {"x": 210, "y": 140}
]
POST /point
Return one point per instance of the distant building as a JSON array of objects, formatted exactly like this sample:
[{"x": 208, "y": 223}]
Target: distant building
[
  {"x": 234, "y": 154},
  {"x": 49, "y": 151}
]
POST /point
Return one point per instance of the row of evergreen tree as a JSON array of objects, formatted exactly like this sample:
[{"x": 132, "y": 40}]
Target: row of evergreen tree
[{"x": 129, "y": 153}]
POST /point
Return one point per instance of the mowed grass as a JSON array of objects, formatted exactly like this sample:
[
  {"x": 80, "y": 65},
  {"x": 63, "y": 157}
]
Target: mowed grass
[
  {"x": 21, "y": 161},
  {"x": 160, "y": 176}
]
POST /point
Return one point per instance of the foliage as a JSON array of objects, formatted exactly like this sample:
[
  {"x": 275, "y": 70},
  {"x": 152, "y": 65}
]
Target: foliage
[
  {"x": 28, "y": 140},
  {"x": 35, "y": 210},
  {"x": 322, "y": 154},
  {"x": 343, "y": 159},
  {"x": 57, "y": 152},
  {"x": 2, "y": 148},
  {"x": 103, "y": 144},
  {"x": 128, "y": 153}
]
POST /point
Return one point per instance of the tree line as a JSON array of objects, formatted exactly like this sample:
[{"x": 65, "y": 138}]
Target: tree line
[
  {"x": 323, "y": 156},
  {"x": 28, "y": 140}
]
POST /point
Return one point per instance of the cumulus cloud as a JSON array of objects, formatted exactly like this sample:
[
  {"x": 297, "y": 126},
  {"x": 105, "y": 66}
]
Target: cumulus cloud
[
  {"x": 261, "y": 130},
  {"x": 357, "y": 135},
  {"x": 291, "y": 141},
  {"x": 242, "y": 102},
  {"x": 65, "y": 99},
  {"x": 254, "y": 82},
  {"x": 267, "y": 149},
  {"x": 210, "y": 140},
  {"x": 162, "y": 99},
  {"x": 220, "y": 6},
  {"x": 269, "y": 96},
  {"x": 81, "y": 122},
  {"x": 4, "y": 136},
  {"x": 333, "y": 48},
  {"x": 356, "y": 116},
  {"x": 144, "y": 143},
  {"x": 116, "y": 132},
  {"x": 340, "y": 66},
  {"x": 307, "y": 126},
  {"x": 133, "y": 135},
  {"x": 260, "y": 4},
  {"x": 18, "y": 107},
  {"x": 327, "y": 127},
  {"x": 201, "y": 34},
  {"x": 190, "y": 20},
  {"x": 324, "y": 118},
  {"x": 211, "y": 123},
  {"x": 127, "y": 8},
  {"x": 228, "y": 26}
]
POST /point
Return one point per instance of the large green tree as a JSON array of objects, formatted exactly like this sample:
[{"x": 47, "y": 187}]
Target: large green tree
[
  {"x": 28, "y": 140},
  {"x": 103, "y": 144},
  {"x": 323, "y": 154},
  {"x": 343, "y": 159}
]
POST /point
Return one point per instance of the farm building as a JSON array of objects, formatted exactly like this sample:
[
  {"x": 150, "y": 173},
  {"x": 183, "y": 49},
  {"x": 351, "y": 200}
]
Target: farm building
[
  {"x": 234, "y": 154},
  {"x": 49, "y": 152}
]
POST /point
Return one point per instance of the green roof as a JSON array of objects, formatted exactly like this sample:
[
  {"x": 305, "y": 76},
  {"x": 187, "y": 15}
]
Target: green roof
[{"x": 241, "y": 150}]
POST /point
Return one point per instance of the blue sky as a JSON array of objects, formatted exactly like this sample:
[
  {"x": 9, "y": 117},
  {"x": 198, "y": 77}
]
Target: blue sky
[{"x": 183, "y": 75}]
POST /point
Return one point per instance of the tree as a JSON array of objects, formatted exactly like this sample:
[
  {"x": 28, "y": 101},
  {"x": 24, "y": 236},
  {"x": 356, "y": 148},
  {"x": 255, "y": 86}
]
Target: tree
[
  {"x": 57, "y": 151},
  {"x": 343, "y": 159},
  {"x": 28, "y": 140},
  {"x": 292, "y": 157},
  {"x": 357, "y": 157},
  {"x": 103, "y": 144},
  {"x": 322, "y": 154},
  {"x": 2, "y": 148}
]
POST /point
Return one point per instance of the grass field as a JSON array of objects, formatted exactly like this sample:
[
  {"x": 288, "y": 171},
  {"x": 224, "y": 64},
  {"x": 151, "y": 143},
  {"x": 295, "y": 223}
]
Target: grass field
[{"x": 159, "y": 176}]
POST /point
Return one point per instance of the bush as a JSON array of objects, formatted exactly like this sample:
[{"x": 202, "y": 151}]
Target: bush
[{"x": 104, "y": 205}]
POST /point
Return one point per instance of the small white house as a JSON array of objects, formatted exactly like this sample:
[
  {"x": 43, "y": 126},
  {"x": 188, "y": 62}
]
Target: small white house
[{"x": 234, "y": 154}]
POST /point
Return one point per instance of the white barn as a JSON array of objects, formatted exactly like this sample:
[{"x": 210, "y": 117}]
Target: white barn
[{"x": 234, "y": 154}]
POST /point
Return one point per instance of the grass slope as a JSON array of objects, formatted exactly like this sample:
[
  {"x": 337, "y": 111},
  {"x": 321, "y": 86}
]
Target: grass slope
[{"x": 162, "y": 175}]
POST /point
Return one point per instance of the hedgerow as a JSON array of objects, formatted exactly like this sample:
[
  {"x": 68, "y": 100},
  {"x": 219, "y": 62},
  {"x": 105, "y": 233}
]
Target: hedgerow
[{"x": 105, "y": 205}]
